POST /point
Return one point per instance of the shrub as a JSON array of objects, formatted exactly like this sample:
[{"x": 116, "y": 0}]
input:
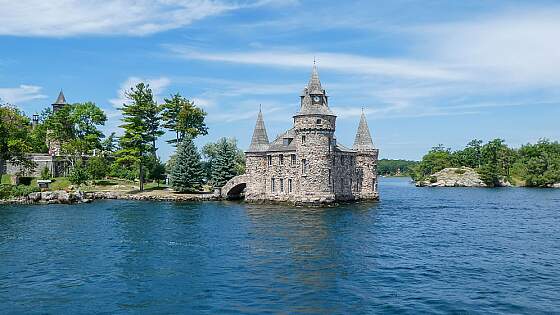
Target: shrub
[
  {"x": 433, "y": 179},
  {"x": 78, "y": 175},
  {"x": 46, "y": 173},
  {"x": 460, "y": 171},
  {"x": 97, "y": 167}
]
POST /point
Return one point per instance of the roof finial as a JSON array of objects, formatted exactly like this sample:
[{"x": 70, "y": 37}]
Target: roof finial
[{"x": 260, "y": 107}]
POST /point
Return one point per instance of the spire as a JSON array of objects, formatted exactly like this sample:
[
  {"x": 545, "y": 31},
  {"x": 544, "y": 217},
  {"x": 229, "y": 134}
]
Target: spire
[
  {"x": 363, "y": 137},
  {"x": 314, "y": 85},
  {"x": 60, "y": 100},
  {"x": 259, "y": 142}
]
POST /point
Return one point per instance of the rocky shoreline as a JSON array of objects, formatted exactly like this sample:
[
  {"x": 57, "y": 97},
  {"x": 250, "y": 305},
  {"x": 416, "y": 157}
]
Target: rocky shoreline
[
  {"x": 456, "y": 177},
  {"x": 77, "y": 197}
]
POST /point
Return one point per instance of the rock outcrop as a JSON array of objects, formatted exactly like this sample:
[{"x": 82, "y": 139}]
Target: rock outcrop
[{"x": 453, "y": 177}]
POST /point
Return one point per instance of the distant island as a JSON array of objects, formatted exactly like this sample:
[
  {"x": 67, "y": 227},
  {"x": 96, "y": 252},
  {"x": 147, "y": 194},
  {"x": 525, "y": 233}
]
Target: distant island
[
  {"x": 492, "y": 164},
  {"x": 395, "y": 168}
]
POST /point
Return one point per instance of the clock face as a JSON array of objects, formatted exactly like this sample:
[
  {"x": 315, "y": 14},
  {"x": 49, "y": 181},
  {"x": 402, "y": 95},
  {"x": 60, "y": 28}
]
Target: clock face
[{"x": 316, "y": 99}]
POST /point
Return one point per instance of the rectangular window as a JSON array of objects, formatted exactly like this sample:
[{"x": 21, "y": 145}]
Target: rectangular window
[
  {"x": 303, "y": 139},
  {"x": 293, "y": 157},
  {"x": 272, "y": 185},
  {"x": 281, "y": 157},
  {"x": 269, "y": 157},
  {"x": 304, "y": 166},
  {"x": 286, "y": 141},
  {"x": 342, "y": 160},
  {"x": 289, "y": 185},
  {"x": 281, "y": 185}
]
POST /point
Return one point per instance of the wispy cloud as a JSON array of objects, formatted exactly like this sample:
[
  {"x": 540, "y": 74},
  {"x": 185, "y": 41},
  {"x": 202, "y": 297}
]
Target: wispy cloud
[
  {"x": 347, "y": 63},
  {"x": 62, "y": 18},
  {"x": 21, "y": 94}
]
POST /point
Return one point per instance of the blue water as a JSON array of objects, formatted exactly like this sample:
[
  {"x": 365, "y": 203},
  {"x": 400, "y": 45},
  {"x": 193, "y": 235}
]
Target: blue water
[{"x": 418, "y": 250}]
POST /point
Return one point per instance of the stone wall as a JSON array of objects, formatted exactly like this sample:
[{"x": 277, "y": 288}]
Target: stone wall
[
  {"x": 366, "y": 169},
  {"x": 58, "y": 166}
]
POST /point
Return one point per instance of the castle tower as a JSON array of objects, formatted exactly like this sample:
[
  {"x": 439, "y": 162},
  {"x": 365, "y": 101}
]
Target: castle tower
[
  {"x": 59, "y": 103},
  {"x": 366, "y": 161},
  {"x": 314, "y": 127},
  {"x": 255, "y": 165},
  {"x": 54, "y": 145}
]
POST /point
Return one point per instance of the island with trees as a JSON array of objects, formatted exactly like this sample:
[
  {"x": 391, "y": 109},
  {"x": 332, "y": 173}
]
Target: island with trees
[
  {"x": 118, "y": 166},
  {"x": 491, "y": 164}
]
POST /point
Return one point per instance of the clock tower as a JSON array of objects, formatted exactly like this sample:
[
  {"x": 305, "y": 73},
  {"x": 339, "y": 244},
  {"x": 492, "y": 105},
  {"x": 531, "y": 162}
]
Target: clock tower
[{"x": 314, "y": 127}]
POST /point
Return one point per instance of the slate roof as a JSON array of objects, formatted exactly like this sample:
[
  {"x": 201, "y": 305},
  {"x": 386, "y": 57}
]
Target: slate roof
[
  {"x": 60, "y": 100},
  {"x": 259, "y": 142},
  {"x": 278, "y": 144},
  {"x": 313, "y": 88},
  {"x": 363, "y": 139}
]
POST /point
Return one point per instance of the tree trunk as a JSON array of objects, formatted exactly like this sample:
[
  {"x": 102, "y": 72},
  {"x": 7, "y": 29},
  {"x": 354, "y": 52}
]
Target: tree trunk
[{"x": 141, "y": 173}]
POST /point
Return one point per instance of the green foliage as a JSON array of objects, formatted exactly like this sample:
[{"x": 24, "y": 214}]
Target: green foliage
[
  {"x": 437, "y": 159},
  {"x": 536, "y": 165},
  {"x": 224, "y": 159},
  {"x": 45, "y": 173},
  {"x": 392, "y": 167},
  {"x": 141, "y": 124},
  {"x": 184, "y": 118},
  {"x": 187, "y": 174},
  {"x": 12, "y": 191},
  {"x": 542, "y": 163},
  {"x": 15, "y": 141},
  {"x": 156, "y": 169},
  {"x": 97, "y": 167},
  {"x": 78, "y": 174}
]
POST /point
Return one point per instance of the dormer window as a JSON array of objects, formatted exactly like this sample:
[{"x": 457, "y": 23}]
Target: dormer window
[{"x": 287, "y": 141}]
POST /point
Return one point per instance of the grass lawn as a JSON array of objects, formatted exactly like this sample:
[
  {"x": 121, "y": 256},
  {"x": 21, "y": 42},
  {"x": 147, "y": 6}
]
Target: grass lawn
[{"x": 5, "y": 179}]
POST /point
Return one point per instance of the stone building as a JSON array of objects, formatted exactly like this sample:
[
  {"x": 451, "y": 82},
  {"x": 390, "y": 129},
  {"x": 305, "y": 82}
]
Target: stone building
[
  {"x": 57, "y": 164},
  {"x": 305, "y": 164}
]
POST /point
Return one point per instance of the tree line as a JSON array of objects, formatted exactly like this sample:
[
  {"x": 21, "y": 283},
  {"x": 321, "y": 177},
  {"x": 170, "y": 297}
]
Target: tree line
[
  {"x": 389, "y": 167},
  {"x": 133, "y": 155},
  {"x": 534, "y": 165}
]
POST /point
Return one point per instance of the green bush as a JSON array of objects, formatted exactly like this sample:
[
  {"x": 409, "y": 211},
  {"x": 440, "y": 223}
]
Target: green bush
[
  {"x": 78, "y": 175},
  {"x": 433, "y": 179},
  {"x": 460, "y": 171},
  {"x": 98, "y": 167},
  {"x": 46, "y": 173},
  {"x": 11, "y": 191}
]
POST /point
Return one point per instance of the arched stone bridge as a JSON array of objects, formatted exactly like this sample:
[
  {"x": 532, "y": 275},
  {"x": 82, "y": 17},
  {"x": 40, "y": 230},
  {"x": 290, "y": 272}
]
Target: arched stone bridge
[{"x": 234, "y": 187}]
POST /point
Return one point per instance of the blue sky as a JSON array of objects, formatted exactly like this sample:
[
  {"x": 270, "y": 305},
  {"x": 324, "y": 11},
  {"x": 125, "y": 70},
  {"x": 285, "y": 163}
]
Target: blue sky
[{"x": 426, "y": 72}]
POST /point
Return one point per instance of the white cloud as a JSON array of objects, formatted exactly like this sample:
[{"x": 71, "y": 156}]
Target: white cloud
[
  {"x": 158, "y": 86},
  {"x": 62, "y": 18},
  {"x": 334, "y": 61},
  {"x": 21, "y": 94},
  {"x": 518, "y": 47}
]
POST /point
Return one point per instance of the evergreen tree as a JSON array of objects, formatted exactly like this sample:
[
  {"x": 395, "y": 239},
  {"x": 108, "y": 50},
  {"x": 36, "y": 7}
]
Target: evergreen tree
[
  {"x": 184, "y": 118},
  {"x": 186, "y": 174},
  {"x": 223, "y": 165},
  {"x": 141, "y": 119}
]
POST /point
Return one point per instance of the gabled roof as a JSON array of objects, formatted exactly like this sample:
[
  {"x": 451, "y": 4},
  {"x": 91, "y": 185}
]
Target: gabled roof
[
  {"x": 259, "y": 142},
  {"x": 363, "y": 139},
  {"x": 60, "y": 100},
  {"x": 279, "y": 145}
]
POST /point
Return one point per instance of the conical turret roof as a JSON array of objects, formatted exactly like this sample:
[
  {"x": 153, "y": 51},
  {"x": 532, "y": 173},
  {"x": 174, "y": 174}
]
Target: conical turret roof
[
  {"x": 363, "y": 137},
  {"x": 259, "y": 142},
  {"x": 314, "y": 84},
  {"x": 60, "y": 100}
]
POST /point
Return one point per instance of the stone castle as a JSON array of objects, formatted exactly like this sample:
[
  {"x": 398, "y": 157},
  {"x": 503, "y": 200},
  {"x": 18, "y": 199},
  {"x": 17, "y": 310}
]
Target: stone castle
[{"x": 305, "y": 164}]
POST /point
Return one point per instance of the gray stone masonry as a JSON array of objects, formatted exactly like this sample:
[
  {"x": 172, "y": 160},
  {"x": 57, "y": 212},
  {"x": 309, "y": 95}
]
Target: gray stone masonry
[{"x": 305, "y": 165}]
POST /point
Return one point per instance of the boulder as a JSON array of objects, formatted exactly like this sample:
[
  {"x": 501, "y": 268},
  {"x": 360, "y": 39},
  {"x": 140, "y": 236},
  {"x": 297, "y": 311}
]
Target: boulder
[{"x": 453, "y": 177}]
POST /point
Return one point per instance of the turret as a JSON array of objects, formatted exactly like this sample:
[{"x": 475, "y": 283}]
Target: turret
[
  {"x": 366, "y": 161},
  {"x": 314, "y": 127},
  {"x": 60, "y": 102},
  {"x": 255, "y": 161}
]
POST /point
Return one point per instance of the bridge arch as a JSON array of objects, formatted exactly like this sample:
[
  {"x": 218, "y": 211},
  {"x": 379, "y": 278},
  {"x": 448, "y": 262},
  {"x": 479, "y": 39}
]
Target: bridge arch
[{"x": 234, "y": 188}]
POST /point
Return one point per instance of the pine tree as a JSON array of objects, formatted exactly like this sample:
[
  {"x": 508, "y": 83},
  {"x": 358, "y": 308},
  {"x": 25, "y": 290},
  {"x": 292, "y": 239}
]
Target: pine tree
[
  {"x": 187, "y": 174},
  {"x": 141, "y": 119},
  {"x": 223, "y": 164}
]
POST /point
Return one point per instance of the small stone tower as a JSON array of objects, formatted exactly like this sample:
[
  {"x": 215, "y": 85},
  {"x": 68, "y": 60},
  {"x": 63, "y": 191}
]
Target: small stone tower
[
  {"x": 366, "y": 161},
  {"x": 314, "y": 127},
  {"x": 59, "y": 103},
  {"x": 54, "y": 145},
  {"x": 256, "y": 161}
]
